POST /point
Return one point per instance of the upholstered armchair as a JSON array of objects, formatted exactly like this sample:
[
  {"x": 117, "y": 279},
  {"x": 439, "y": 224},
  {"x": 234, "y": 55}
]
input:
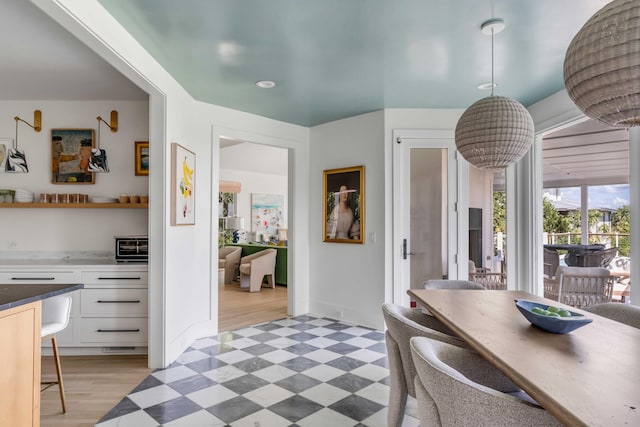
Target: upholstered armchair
[
  {"x": 458, "y": 387},
  {"x": 229, "y": 258},
  {"x": 402, "y": 324},
  {"x": 623, "y": 313},
  {"x": 254, "y": 267}
]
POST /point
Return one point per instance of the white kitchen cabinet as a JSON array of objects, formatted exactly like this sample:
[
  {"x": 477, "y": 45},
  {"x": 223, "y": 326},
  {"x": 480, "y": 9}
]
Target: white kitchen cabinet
[{"x": 109, "y": 315}]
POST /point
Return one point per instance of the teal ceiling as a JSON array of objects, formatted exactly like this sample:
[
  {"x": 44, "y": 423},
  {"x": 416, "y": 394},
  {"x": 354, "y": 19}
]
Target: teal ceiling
[{"x": 332, "y": 59}]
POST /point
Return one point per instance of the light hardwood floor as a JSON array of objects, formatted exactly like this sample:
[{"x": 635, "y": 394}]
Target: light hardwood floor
[{"x": 95, "y": 384}]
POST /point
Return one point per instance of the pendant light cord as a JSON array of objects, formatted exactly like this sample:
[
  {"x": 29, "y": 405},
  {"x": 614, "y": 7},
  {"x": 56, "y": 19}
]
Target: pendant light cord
[
  {"x": 493, "y": 85},
  {"x": 16, "y": 142}
]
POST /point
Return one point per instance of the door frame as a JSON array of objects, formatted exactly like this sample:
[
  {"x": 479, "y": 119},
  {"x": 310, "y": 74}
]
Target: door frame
[{"x": 457, "y": 205}]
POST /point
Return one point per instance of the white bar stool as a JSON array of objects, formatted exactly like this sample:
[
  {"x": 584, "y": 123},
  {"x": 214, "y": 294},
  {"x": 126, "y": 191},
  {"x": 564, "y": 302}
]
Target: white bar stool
[{"x": 55, "y": 317}]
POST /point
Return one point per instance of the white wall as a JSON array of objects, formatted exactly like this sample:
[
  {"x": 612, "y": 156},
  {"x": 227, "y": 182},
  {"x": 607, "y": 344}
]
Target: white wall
[
  {"x": 347, "y": 280},
  {"x": 183, "y": 286},
  {"x": 60, "y": 231},
  {"x": 252, "y": 183}
]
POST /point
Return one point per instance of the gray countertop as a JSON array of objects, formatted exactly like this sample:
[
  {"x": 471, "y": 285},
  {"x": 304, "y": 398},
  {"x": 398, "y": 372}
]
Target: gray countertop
[
  {"x": 68, "y": 262},
  {"x": 19, "y": 294}
]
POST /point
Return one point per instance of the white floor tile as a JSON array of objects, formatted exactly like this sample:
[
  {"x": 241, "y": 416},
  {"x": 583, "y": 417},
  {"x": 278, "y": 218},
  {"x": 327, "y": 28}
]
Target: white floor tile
[
  {"x": 274, "y": 373},
  {"x": 224, "y": 373},
  {"x": 243, "y": 343},
  {"x": 322, "y": 356},
  {"x": 361, "y": 342},
  {"x": 325, "y": 394},
  {"x": 198, "y": 419},
  {"x": 282, "y": 342},
  {"x": 284, "y": 332},
  {"x": 286, "y": 322},
  {"x": 247, "y": 332},
  {"x": 234, "y": 356},
  {"x": 376, "y": 392},
  {"x": 211, "y": 395},
  {"x": 204, "y": 343},
  {"x": 372, "y": 372},
  {"x": 320, "y": 331},
  {"x": 355, "y": 330},
  {"x": 134, "y": 419},
  {"x": 264, "y": 418},
  {"x": 321, "y": 342},
  {"x": 323, "y": 372},
  {"x": 278, "y": 356},
  {"x": 366, "y": 355},
  {"x": 153, "y": 396},
  {"x": 319, "y": 322},
  {"x": 326, "y": 417},
  {"x": 268, "y": 395},
  {"x": 192, "y": 356},
  {"x": 174, "y": 374}
]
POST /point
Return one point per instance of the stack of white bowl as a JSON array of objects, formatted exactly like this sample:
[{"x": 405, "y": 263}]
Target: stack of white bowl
[{"x": 23, "y": 196}]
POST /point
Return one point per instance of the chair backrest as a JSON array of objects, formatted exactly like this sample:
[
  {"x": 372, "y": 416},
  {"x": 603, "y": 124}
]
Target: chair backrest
[
  {"x": 468, "y": 390},
  {"x": 404, "y": 323},
  {"x": 601, "y": 258},
  {"x": 490, "y": 281},
  {"x": 452, "y": 284},
  {"x": 225, "y": 251},
  {"x": 55, "y": 314},
  {"x": 551, "y": 262},
  {"x": 584, "y": 286},
  {"x": 623, "y": 313}
]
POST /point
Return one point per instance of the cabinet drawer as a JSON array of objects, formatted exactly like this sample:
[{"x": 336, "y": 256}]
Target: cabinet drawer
[
  {"x": 114, "y": 302},
  {"x": 38, "y": 277},
  {"x": 114, "y": 277},
  {"x": 100, "y": 330}
]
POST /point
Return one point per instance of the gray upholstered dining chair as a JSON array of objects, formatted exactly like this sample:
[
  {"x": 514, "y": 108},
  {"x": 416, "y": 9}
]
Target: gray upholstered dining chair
[
  {"x": 402, "y": 324},
  {"x": 229, "y": 259},
  {"x": 579, "y": 286},
  {"x": 623, "y": 313},
  {"x": 458, "y": 387},
  {"x": 452, "y": 284}
]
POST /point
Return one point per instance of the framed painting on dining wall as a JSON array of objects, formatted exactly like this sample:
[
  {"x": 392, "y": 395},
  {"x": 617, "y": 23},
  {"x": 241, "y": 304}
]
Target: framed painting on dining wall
[
  {"x": 70, "y": 155},
  {"x": 343, "y": 205},
  {"x": 142, "y": 157},
  {"x": 183, "y": 192}
]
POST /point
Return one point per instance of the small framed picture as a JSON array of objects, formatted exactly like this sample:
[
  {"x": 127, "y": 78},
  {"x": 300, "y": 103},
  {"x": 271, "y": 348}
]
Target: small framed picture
[
  {"x": 142, "y": 157},
  {"x": 343, "y": 205},
  {"x": 183, "y": 191},
  {"x": 70, "y": 156}
]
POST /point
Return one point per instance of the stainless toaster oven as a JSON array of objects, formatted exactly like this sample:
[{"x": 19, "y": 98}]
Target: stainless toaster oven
[{"x": 132, "y": 248}]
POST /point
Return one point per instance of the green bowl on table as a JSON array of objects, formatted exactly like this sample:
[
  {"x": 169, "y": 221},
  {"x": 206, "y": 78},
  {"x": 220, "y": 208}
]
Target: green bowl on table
[{"x": 555, "y": 323}]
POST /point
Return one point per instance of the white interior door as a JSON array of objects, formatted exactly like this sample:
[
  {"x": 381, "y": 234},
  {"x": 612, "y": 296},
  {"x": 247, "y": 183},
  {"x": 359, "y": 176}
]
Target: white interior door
[{"x": 426, "y": 220}]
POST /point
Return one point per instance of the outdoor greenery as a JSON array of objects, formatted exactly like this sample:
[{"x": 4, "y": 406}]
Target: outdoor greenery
[
  {"x": 499, "y": 212},
  {"x": 554, "y": 222}
]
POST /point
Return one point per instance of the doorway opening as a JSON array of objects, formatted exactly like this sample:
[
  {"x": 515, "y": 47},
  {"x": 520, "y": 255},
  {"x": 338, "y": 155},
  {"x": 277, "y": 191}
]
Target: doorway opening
[{"x": 254, "y": 218}]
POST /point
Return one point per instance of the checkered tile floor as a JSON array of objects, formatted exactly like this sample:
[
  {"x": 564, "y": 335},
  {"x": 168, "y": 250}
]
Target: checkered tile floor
[{"x": 301, "y": 371}]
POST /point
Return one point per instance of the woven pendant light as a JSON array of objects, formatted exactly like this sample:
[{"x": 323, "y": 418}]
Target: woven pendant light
[
  {"x": 495, "y": 131},
  {"x": 602, "y": 65}
]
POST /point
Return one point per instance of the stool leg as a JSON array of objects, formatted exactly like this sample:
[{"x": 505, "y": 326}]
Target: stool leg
[{"x": 54, "y": 344}]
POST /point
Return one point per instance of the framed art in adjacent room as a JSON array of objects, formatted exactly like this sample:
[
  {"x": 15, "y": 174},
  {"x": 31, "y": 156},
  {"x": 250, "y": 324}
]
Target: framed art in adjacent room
[
  {"x": 343, "y": 205},
  {"x": 70, "y": 155},
  {"x": 183, "y": 192},
  {"x": 142, "y": 157}
]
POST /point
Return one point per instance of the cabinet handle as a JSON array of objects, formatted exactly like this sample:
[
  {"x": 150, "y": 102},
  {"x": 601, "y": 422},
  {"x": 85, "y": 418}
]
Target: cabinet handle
[
  {"x": 33, "y": 278},
  {"x": 133, "y": 301},
  {"x": 118, "y": 330},
  {"x": 120, "y": 278}
]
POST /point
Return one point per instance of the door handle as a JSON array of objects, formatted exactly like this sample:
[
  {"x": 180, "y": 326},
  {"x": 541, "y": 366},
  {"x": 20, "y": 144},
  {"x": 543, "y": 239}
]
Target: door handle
[{"x": 404, "y": 249}]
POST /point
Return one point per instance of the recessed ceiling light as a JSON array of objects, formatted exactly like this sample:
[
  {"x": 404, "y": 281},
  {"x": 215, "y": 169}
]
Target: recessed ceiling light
[
  {"x": 487, "y": 86},
  {"x": 265, "y": 84}
]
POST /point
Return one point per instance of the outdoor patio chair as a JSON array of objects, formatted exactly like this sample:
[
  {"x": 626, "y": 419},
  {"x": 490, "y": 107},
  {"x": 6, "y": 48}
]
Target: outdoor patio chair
[
  {"x": 484, "y": 277},
  {"x": 551, "y": 262},
  {"x": 579, "y": 286},
  {"x": 601, "y": 258}
]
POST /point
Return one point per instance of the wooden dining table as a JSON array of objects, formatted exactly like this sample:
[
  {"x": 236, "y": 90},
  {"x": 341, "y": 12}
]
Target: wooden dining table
[{"x": 588, "y": 377}]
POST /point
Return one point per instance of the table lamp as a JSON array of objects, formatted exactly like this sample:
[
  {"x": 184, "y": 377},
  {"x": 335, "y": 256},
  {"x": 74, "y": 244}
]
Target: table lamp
[{"x": 234, "y": 223}]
